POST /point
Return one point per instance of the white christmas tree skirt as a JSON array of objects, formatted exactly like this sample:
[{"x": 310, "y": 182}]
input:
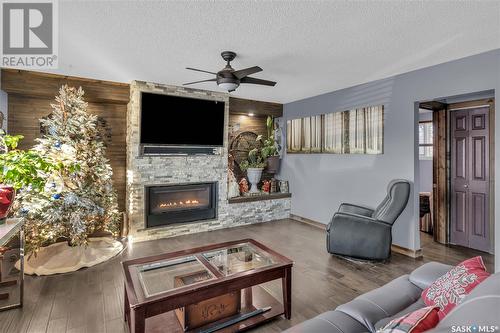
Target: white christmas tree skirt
[{"x": 62, "y": 258}]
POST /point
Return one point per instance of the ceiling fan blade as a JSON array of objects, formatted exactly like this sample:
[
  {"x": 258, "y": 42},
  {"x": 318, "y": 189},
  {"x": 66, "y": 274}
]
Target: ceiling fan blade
[
  {"x": 253, "y": 80},
  {"x": 185, "y": 84},
  {"x": 200, "y": 70},
  {"x": 247, "y": 71}
]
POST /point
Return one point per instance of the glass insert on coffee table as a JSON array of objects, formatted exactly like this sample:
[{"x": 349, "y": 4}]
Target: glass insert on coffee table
[
  {"x": 238, "y": 258},
  {"x": 161, "y": 276},
  {"x": 206, "y": 289}
]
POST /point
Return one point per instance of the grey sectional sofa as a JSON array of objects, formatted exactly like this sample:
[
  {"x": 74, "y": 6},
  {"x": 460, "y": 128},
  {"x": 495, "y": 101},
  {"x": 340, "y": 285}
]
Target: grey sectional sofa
[{"x": 370, "y": 311}]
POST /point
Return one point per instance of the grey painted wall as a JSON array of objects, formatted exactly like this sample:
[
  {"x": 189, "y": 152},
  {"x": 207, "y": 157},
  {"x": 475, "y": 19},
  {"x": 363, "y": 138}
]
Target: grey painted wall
[
  {"x": 320, "y": 182},
  {"x": 425, "y": 175},
  {"x": 425, "y": 165}
]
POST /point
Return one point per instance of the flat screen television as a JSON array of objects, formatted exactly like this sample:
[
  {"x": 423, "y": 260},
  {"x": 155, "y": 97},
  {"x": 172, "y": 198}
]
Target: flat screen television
[{"x": 180, "y": 121}]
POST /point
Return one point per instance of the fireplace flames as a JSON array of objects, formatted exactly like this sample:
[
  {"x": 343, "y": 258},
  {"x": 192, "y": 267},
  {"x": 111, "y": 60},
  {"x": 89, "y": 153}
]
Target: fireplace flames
[{"x": 180, "y": 203}]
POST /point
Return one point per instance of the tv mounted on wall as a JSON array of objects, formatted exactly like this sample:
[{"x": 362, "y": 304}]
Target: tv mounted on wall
[{"x": 181, "y": 122}]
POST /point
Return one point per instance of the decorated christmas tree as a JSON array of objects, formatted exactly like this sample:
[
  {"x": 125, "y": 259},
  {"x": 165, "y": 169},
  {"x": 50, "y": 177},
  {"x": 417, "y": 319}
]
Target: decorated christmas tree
[{"x": 78, "y": 198}]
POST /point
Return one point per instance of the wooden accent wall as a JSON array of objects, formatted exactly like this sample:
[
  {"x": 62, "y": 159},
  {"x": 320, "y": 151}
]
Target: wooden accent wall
[
  {"x": 242, "y": 123},
  {"x": 31, "y": 93},
  {"x": 258, "y": 108}
]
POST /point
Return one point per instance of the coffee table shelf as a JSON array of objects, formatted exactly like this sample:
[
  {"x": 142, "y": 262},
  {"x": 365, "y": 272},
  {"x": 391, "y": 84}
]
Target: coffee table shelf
[{"x": 167, "y": 322}]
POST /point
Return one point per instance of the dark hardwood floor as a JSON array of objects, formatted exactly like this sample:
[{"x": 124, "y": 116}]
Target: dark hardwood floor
[{"x": 90, "y": 300}]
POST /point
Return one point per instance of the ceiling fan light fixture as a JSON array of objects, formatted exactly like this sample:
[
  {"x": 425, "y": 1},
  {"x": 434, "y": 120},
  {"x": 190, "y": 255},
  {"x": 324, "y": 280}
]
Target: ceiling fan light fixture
[{"x": 228, "y": 86}]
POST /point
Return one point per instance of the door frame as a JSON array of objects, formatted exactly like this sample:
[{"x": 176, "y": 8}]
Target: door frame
[
  {"x": 441, "y": 168},
  {"x": 440, "y": 173}
]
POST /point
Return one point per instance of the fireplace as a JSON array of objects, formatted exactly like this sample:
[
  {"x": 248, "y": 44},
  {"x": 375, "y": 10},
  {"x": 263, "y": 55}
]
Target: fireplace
[{"x": 180, "y": 203}]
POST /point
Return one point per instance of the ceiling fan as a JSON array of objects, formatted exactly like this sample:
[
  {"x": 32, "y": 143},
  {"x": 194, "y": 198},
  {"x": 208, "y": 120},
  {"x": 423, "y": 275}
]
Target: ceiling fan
[{"x": 230, "y": 79}]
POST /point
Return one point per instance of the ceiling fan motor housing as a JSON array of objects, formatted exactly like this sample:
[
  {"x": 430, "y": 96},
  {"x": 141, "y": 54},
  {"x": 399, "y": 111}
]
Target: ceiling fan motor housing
[{"x": 226, "y": 76}]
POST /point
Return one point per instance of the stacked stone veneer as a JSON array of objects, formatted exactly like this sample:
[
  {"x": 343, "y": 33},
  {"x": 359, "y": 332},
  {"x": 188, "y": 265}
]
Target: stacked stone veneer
[{"x": 161, "y": 170}]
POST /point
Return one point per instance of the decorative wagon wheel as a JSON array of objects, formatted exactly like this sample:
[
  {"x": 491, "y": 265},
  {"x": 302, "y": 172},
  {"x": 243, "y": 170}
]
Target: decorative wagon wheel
[{"x": 242, "y": 144}]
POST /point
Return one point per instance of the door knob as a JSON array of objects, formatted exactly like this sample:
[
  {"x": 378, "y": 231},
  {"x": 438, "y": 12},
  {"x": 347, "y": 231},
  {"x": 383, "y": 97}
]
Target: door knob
[{"x": 466, "y": 185}]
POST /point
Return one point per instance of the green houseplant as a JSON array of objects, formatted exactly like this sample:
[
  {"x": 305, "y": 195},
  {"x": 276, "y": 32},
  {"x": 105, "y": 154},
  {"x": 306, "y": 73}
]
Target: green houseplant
[
  {"x": 18, "y": 169},
  {"x": 253, "y": 165},
  {"x": 270, "y": 149}
]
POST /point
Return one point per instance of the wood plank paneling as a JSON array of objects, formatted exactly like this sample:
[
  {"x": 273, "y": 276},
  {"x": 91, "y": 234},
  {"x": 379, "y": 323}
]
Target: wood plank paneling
[
  {"x": 46, "y": 85},
  {"x": 243, "y": 123},
  {"x": 30, "y": 96},
  {"x": 258, "y": 108}
]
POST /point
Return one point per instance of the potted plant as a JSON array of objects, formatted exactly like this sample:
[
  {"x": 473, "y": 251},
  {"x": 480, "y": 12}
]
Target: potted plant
[
  {"x": 270, "y": 149},
  {"x": 18, "y": 169},
  {"x": 253, "y": 165}
]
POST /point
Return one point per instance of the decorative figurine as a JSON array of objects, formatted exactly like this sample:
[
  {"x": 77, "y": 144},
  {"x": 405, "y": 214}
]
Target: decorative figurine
[
  {"x": 284, "y": 186},
  {"x": 266, "y": 186},
  {"x": 274, "y": 185},
  {"x": 243, "y": 186},
  {"x": 233, "y": 189}
]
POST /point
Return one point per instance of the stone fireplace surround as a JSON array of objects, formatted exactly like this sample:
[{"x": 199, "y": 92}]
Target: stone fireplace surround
[{"x": 163, "y": 170}]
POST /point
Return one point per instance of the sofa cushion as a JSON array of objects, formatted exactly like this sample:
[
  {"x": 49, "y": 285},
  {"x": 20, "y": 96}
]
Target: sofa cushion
[
  {"x": 450, "y": 289},
  {"x": 419, "y": 304},
  {"x": 382, "y": 302},
  {"x": 426, "y": 274},
  {"x": 329, "y": 322},
  {"x": 418, "y": 321}
]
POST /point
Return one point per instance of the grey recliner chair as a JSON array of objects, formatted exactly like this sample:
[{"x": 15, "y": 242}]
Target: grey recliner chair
[{"x": 364, "y": 233}]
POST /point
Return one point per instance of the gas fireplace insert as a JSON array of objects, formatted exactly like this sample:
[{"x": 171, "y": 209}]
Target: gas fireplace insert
[{"x": 180, "y": 203}]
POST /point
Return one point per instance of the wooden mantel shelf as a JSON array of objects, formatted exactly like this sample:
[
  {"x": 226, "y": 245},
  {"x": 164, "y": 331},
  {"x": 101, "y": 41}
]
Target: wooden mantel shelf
[{"x": 262, "y": 197}]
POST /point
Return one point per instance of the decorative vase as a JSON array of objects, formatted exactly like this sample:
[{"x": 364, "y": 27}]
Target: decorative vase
[
  {"x": 254, "y": 175},
  {"x": 273, "y": 164},
  {"x": 7, "y": 194}
]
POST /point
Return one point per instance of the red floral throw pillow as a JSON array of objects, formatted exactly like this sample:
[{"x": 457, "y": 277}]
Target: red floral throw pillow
[
  {"x": 417, "y": 321},
  {"x": 450, "y": 289}
]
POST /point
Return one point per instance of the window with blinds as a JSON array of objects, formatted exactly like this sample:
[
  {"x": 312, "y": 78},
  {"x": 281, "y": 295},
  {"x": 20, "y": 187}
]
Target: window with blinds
[
  {"x": 425, "y": 140},
  {"x": 357, "y": 131}
]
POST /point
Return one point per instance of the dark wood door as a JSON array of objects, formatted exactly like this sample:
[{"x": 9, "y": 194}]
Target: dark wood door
[{"x": 470, "y": 178}]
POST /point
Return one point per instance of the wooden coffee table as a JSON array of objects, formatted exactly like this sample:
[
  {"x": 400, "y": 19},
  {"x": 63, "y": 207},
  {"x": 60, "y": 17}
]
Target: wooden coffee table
[{"x": 152, "y": 295}]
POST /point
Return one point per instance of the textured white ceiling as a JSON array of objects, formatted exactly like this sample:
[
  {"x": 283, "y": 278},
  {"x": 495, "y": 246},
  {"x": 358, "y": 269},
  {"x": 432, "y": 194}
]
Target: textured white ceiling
[{"x": 309, "y": 48}]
